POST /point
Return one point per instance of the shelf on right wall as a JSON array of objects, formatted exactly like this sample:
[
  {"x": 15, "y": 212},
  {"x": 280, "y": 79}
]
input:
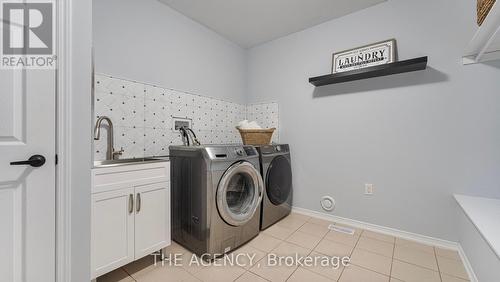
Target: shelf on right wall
[{"x": 415, "y": 64}]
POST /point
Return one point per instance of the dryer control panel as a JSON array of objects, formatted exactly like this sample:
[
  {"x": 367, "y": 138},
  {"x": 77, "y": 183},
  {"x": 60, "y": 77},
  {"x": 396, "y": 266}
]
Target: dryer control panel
[{"x": 273, "y": 149}]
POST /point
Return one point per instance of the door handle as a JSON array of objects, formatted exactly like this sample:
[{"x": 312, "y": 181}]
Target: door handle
[
  {"x": 130, "y": 203},
  {"x": 138, "y": 202},
  {"x": 34, "y": 161}
]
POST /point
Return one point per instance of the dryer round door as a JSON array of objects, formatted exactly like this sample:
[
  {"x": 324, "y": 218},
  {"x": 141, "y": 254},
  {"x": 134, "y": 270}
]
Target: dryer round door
[
  {"x": 279, "y": 180},
  {"x": 239, "y": 193}
]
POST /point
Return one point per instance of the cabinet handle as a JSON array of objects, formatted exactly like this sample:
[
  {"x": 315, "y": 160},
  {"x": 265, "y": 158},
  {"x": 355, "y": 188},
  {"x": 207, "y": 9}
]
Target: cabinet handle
[
  {"x": 138, "y": 202},
  {"x": 130, "y": 203}
]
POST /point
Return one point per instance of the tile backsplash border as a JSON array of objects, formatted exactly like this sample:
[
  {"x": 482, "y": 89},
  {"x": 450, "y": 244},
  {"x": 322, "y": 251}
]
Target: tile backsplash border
[{"x": 142, "y": 114}]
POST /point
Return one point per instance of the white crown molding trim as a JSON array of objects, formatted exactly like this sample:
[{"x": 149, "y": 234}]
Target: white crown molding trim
[{"x": 427, "y": 240}]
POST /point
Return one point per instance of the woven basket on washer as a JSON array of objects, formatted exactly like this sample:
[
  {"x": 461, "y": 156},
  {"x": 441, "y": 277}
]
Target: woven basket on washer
[
  {"x": 256, "y": 136},
  {"x": 483, "y": 8}
]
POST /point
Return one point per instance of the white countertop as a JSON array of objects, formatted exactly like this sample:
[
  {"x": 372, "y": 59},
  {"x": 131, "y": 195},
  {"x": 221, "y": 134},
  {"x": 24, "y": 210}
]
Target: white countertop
[{"x": 485, "y": 215}]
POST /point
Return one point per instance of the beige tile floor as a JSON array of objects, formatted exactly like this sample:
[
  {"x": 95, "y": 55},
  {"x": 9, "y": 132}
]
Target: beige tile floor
[{"x": 374, "y": 257}]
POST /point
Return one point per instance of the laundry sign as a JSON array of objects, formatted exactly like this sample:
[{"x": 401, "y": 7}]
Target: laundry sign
[{"x": 375, "y": 54}]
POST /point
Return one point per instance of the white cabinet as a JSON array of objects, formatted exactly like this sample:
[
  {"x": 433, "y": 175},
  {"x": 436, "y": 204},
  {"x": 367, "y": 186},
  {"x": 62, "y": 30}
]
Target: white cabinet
[
  {"x": 130, "y": 214},
  {"x": 112, "y": 229},
  {"x": 151, "y": 221}
]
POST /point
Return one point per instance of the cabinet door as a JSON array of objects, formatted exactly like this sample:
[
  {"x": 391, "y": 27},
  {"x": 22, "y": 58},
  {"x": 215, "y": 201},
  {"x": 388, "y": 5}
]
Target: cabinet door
[
  {"x": 112, "y": 230},
  {"x": 152, "y": 218}
]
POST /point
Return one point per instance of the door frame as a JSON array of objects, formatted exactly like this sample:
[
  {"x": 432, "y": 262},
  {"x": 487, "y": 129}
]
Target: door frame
[
  {"x": 71, "y": 17},
  {"x": 63, "y": 172}
]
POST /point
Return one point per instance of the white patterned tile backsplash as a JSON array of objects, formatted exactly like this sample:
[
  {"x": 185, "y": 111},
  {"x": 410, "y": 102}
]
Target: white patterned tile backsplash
[
  {"x": 157, "y": 114},
  {"x": 131, "y": 140},
  {"x": 143, "y": 117},
  {"x": 267, "y": 115},
  {"x": 157, "y": 140}
]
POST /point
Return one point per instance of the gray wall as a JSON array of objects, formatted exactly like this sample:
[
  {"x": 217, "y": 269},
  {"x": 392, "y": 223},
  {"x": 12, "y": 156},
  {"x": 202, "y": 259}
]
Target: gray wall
[
  {"x": 147, "y": 41},
  {"x": 419, "y": 137}
]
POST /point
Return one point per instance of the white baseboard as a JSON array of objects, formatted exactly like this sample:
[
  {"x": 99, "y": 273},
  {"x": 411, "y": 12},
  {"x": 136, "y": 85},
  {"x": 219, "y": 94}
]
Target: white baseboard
[
  {"x": 467, "y": 265},
  {"x": 381, "y": 229},
  {"x": 427, "y": 240}
]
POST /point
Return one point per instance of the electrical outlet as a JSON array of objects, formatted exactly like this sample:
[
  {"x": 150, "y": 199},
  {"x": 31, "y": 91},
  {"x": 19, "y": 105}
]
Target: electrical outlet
[{"x": 369, "y": 189}]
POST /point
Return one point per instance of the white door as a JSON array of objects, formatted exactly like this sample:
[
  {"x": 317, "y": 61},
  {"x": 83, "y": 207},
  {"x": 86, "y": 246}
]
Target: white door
[
  {"x": 112, "y": 230},
  {"x": 27, "y": 193},
  {"x": 152, "y": 218}
]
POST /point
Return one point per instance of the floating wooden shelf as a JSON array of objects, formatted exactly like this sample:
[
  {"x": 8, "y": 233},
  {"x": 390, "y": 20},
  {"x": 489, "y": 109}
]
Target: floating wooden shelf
[{"x": 369, "y": 72}]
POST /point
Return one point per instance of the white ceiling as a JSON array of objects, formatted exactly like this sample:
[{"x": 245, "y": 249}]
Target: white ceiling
[{"x": 252, "y": 22}]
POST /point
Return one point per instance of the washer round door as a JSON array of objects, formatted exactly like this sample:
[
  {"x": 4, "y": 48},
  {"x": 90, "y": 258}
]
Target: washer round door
[
  {"x": 279, "y": 180},
  {"x": 239, "y": 193}
]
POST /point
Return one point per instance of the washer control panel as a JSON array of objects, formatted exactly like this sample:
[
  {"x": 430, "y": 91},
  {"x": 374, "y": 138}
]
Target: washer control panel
[
  {"x": 243, "y": 151},
  {"x": 250, "y": 151},
  {"x": 239, "y": 152},
  {"x": 218, "y": 152}
]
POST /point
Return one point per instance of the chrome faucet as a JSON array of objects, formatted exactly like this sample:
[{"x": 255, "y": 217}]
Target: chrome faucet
[{"x": 111, "y": 154}]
